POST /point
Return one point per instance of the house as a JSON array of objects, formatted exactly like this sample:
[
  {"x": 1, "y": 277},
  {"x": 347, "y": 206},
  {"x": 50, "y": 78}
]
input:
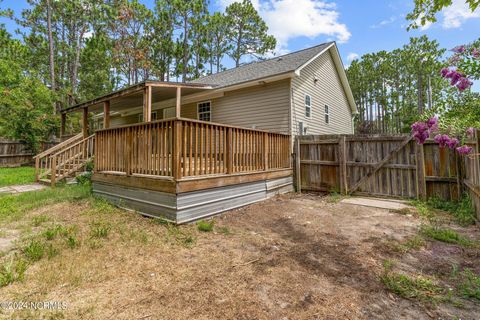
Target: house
[{"x": 184, "y": 151}]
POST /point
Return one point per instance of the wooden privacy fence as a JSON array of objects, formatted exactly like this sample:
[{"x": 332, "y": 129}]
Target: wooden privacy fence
[
  {"x": 187, "y": 148},
  {"x": 384, "y": 165},
  {"x": 15, "y": 153}
]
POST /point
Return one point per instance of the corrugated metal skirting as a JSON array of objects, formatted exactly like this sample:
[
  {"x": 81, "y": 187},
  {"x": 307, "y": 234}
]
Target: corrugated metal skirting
[{"x": 190, "y": 206}]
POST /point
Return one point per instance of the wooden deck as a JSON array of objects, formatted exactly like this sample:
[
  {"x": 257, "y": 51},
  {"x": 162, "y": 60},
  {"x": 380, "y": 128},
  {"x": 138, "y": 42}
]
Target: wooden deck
[{"x": 220, "y": 166}]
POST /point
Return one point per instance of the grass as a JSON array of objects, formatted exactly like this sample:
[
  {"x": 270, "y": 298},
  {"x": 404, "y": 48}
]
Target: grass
[
  {"x": 469, "y": 285},
  {"x": 16, "y": 176},
  {"x": 462, "y": 210},
  {"x": 205, "y": 226},
  {"x": 12, "y": 271},
  {"x": 413, "y": 243},
  {"x": 14, "y": 206},
  {"x": 34, "y": 251},
  {"x": 446, "y": 235},
  {"x": 418, "y": 287},
  {"x": 99, "y": 230}
]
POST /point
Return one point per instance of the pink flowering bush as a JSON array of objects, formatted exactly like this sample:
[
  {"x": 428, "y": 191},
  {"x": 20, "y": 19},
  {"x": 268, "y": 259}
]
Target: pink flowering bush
[
  {"x": 422, "y": 130},
  {"x": 464, "y": 66}
]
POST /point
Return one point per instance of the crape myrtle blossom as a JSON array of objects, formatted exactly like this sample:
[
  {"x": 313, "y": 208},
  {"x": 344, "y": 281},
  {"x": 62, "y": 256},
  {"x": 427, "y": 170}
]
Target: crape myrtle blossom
[
  {"x": 464, "y": 150},
  {"x": 456, "y": 78},
  {"x": 470, "y": 132},
  {"x": 421, "y": 131}
]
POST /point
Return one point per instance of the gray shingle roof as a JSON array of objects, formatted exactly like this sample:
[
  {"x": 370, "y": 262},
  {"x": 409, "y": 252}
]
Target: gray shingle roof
[{"x": 262, "y": 69}]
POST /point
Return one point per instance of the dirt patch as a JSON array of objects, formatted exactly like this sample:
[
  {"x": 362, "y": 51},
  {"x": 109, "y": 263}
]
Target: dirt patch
[{"x": 292, "y": 257}]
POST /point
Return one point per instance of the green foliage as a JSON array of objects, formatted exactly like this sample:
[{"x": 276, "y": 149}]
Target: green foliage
[
  {"x": 180, "y": 236},
  {"x": 34, "y": 251},
  {"x": 446, "y": 235},
  {"x": 248, "y": 32},
  {"x": 391, "y": 88},
  {"x": 419, "y": 287},
  {"x": 462, "y": 210},
  {"x": 99, "y": 230},
  {"x": 425, "y": 11},
  {"x": 85, "y": 178},
  {"x": 16, "y": 176},
  {"x": 12, "y": 271},
  {"x": 205, "y": 226},
  {"x": 25, "y": 106},
  {"x": 469, "y": 285}
]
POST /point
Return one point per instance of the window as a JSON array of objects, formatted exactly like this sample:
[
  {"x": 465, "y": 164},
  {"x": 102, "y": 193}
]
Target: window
[
  {"x": 153, "y": 116},
  {"x": 308, "y": 106},
  {"x": 327, "y": 115},
  {"x": 203, "y": 111},
  {"x": 169, "y": 113}
]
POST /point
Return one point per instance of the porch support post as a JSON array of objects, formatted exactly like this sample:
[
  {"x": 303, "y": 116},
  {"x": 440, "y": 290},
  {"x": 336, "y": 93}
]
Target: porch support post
[
  {"x": 106, "y": 114},
  {"x": 63, "y": 120},
  {"x": 85, "y": 123},
  {"x": 147, "y": 104},
  {"x": 178, "y": 106}
]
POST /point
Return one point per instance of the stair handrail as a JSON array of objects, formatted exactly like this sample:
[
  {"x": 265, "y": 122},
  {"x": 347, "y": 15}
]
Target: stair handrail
[
  {"x": 59, "y": 146},
  {"x": 58, "y": 166}
]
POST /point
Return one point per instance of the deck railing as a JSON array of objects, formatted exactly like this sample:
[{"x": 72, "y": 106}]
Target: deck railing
[{"x": 188, "y": 148}]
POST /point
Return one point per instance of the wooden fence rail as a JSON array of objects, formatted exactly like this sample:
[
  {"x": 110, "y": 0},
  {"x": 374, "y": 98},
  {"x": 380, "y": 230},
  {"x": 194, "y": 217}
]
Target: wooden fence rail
[
  {"x": 385, "y": 165},
  {"x": 188, "y": 148}
]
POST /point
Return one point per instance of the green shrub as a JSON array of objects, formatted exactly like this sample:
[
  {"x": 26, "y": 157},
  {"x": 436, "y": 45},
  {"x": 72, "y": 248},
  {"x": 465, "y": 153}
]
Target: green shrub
[
  {"x": 84, "y": 178},
  {"x": 205, "y": 226}
]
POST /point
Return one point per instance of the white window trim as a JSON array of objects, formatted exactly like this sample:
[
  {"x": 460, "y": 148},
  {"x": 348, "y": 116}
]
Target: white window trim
[
  {"x": 305, "y": 106},
  {"x": 326, "y": 113},
  {"x": 198, "y": 113}
]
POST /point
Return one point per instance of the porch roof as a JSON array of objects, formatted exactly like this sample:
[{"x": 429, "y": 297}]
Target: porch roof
[{"x": 133, "y": 95}]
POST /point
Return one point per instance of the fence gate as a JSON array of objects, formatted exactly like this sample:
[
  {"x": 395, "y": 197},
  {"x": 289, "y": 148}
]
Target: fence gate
[{"x": 376, "y": 165}]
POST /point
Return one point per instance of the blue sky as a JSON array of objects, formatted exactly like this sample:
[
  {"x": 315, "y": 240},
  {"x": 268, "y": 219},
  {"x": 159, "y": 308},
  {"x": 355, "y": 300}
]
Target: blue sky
[{"x": 359, "y": 27}]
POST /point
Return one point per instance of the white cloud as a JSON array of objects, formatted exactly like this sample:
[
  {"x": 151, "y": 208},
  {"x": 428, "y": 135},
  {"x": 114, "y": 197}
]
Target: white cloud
[
  {"x": 384, "y": 22},
  {"x": 457, "y": 13},
  {"x": 288, "y": 19},
  {"x": 352, "y": 56}
]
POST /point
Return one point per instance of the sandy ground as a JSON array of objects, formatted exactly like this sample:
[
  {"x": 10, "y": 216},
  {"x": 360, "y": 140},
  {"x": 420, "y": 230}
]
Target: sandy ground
[{"x": 291, "y": 257}]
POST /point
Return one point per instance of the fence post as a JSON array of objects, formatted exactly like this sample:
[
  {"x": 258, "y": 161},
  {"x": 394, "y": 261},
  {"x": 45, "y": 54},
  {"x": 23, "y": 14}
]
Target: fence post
[
  {"x": 177, "y": 148},
  {"x": 420, "y": 163},
  {"x": 297, "y": 164},
  {"x": 265, "y": 151},
  {"x": 37, "y": 168},
  {"x": 342, "y": 162},
  {"x": 229, "y": 150}
]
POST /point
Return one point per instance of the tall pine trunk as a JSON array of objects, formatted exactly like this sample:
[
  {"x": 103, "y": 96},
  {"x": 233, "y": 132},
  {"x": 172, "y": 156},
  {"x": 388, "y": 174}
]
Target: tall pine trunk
[{"x": 51, "y": 54}]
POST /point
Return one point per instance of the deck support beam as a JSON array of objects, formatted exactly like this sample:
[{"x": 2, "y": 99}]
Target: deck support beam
[
  {"x": 85, "y": 122},
  {"x": 178, "y": 105},
  {"x": 63, "y": 121},
  {"x": 106, "y": 114},
  {"x": 147, "y": 104}
]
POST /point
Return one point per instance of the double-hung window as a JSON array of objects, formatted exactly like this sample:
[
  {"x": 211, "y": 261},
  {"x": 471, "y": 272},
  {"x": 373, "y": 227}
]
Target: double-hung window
[
  {"x": 308, "y": 106},
  {"x": 204, "y": 111}
]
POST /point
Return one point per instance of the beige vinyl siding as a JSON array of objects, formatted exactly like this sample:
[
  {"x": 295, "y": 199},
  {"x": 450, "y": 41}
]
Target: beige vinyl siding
[
  {"x": 328, "y": 90},
  {"x": 264, "y": 107}
]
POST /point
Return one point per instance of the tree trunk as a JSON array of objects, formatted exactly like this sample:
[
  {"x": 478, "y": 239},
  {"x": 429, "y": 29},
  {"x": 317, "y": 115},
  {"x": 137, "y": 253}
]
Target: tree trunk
[
  {"x": 51, "y": 53},
  {"x": 420, "y": 93}
]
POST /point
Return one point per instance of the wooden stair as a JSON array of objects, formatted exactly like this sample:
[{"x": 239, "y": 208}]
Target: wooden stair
[{"x": 64, "y": 160}]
